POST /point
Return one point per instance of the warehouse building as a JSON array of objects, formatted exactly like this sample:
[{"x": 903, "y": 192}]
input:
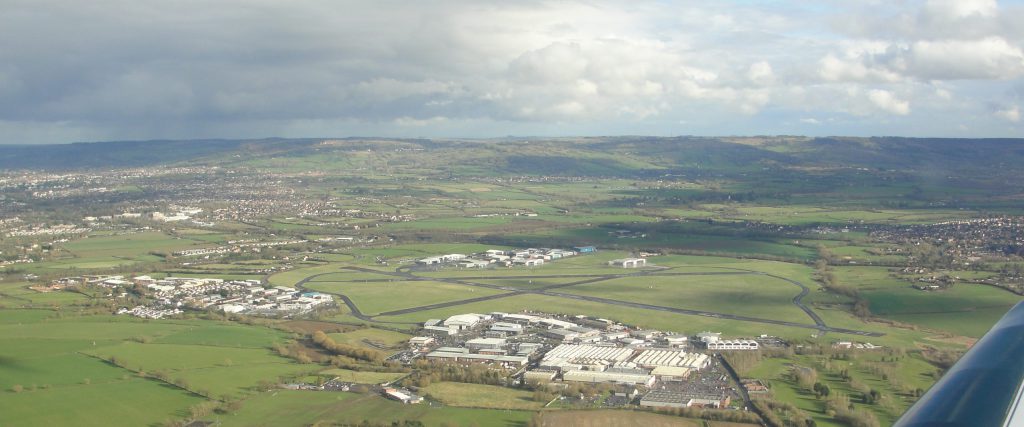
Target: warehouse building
[
  {"x": 442, "y": 354},
  {"x": 461, "y": 322},
  {"x": 563, "y": 335},
  {"x": 478, "y": 344},
  {"x": 674, "y": 358},
  {"x": 671, "y": 373},
  {"x": 675, "y": 399},
  {"x": 539, "y": 376},
  {"x": 608, "y": 377},
  {"x": 571, "y": 356},
  {"x": 507, "y": 328}
]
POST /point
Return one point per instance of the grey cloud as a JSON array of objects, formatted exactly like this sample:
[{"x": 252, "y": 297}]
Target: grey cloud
[{"x": 129, "y": 69}]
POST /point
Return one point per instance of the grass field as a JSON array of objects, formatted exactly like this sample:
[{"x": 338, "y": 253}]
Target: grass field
[
  {"x": 372, "y": 338},
  {"x": 302, "y": 408},
  {"x": 377, "y": 297},
  {"x": 607, "y": 418},
  {"x": 218, "y": 370},
  {"x": 749, "y": 295},
  {"x": 132, "y": 401},
  {"x": 481, "y": 396},
  {"x": 965, "y": 309},
  {"x": 643, "y": 318},
  {"x": 360, "y": 377},
  {"x": 910, "y": 372}
]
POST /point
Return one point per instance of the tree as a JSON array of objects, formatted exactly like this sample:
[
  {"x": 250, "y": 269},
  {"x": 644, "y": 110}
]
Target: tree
[{"x": 822, "y": 390}]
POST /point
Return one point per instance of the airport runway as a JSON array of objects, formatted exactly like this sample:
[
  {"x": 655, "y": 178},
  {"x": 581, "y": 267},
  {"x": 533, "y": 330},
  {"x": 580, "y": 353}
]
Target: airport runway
[{"x": 819, "y": 323}]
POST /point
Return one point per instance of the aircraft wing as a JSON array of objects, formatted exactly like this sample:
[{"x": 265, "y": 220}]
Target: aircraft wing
[{"x": 985, "y": 388}]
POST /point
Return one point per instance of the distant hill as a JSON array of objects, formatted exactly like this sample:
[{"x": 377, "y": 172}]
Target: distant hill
[{"x": 592, "y": 156}]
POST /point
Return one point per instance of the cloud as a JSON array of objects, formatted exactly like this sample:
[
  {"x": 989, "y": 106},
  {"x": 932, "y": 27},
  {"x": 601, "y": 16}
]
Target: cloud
[
  {"x": 1011, "y": 113},
  {"x": 761, "y": 73},
  {"x": 128, "y": 69},
  {"x": 888, "y": 102}
]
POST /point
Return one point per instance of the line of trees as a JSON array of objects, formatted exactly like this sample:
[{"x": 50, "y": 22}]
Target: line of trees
[
  {"x": 823, "y": 274},
  {"x": 327, "y": 343}
]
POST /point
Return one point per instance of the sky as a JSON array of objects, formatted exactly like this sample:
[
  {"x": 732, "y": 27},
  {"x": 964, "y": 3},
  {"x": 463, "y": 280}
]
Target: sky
[{"x": 73, "y": 70}]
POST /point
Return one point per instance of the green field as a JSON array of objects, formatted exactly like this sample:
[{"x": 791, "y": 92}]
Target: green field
[
  {"x": 135, "y": 401},
  {"x": 361, "y": 377},
  {"x": 301, "y": 408},
  {"x": 481, "y": 396},
  {"x": 965, "y": 309},
  {"x": 378, "y": 297},
  {"x": 372, "y": 338},
  {"x": 741, "y": 294}
]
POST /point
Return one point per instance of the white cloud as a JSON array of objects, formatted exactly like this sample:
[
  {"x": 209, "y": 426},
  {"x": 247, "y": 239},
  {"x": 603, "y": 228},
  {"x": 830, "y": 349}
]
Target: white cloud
[
  {"x": 888, "y": 102},
  {"x": 1011, "y": 113},
  {"x": 959, "y": 9},
  {"x": 761, "y": 73}
]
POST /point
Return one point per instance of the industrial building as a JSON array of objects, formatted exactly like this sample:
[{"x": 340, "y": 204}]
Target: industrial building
[
  {"x": 402, "y": 396},
  {"x": 478, "y": 344},
  {"x": 441, "y": 259},
  {"x": 443, "y": 354},
  {"x": 674, "y": 358},
  {"x": 671, "y": 373},
  {"x": 461, "y": 322},
  {"x": 421, "y": 341},
  {"x": 563, "y": 335},
  {"x": 539, "y": 376},
  {"x": 608, "y": 377},
  {"x": 571, "y": 355},
  {"x": 507, "y": 328},
  {"x": 733, "y": 345},
  {"x": 674, "y": 399}
]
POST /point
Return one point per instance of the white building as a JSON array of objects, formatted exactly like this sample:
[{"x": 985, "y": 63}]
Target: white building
[
  {"x": 461, "y": 322},
  {"x": 628, "y": 262},
  {"x": 740, "y": 344},
  {"x": 608, "y": 377}
]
